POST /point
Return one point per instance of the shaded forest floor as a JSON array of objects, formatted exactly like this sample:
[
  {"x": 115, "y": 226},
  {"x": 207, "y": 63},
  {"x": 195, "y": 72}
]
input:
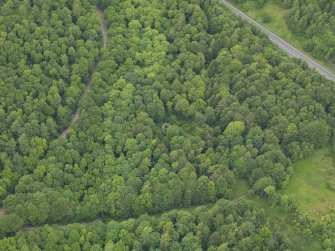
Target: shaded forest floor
[
  {"x": 76, "y": 115},
  {"x": 103, "y": 26}
]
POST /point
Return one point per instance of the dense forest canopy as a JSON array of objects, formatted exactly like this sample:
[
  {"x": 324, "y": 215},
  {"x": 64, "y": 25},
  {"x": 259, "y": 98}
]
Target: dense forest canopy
[
  {"x": 47, "y": 51},
  {"x": 316, "y": 21},
  {"x": 233, "y": 106}
]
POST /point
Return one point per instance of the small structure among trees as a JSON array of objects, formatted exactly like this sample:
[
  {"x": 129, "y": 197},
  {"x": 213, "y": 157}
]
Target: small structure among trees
[{"x": 165, "y": 127}]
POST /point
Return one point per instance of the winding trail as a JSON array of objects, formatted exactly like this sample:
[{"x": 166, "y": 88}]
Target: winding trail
[
  {"x": 103, "y": 26},
  {"x": 286, "y": 47},
  {"x": 76, "y": 115}
]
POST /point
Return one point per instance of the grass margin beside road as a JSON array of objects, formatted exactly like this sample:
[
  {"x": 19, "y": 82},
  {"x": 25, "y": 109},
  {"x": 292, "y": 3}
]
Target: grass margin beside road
[{"x": 278, "y": 25}]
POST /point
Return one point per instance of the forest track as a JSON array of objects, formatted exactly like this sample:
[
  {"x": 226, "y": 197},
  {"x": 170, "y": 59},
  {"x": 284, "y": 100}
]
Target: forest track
[
  {"x": 286, "y": 47},
  {"x": 107, "y": 219},
  {"x": 29, "y": 227},
  {"x": 88, "y": 86},
  {"x": 2, "y": 211},
  {"x": 103, "y": 26}
]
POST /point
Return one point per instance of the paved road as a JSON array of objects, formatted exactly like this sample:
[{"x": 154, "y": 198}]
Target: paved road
[{"x": 282, "y": 44}]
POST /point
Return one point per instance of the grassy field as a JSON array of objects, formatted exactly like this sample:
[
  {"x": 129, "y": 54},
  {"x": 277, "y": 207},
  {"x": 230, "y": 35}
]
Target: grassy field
[
  {"x": 241, "y": 189},
  {"x": 282, "y": 222},
  {"x": 308, "y": 186},
  {"x": 277, "y": 219},
  {"x": 277, "y": 24}
]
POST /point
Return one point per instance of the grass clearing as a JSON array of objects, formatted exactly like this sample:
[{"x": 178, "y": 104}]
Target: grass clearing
[
  {"x": 278, "y": 219},
  {"x": 308, "y": 185},
  {"x": 277, "y": 24},
  {"x": 282, "y": 222},
  {"x": 240, "y": 189}
]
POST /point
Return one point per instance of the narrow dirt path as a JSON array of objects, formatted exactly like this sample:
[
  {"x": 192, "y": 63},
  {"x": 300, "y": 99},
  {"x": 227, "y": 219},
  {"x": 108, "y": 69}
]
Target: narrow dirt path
[
  {"x": 107, "y": 219},
  {"x": 189, "y": 209},
  {"x": 76, "y": 115},
  {"x": 103, "y": 26},
  {"x": 103, "y": 29}
]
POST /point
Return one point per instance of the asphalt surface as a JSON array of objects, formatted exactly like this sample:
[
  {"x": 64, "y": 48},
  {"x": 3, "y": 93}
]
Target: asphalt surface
[{"x": 289, "y": 49}]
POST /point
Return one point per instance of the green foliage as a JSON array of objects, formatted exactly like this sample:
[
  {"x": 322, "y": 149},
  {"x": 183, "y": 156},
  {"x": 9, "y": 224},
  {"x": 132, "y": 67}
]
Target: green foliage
[
  {"x": 266, "y": 18},
  {"x": 327, "y": 229},
  {"x": 308, "y": 25},
  {"x": 238, "y": 1},
  {"x": 47, "y": 50},
  {"x": 227, "y": 224},
  {"x": 315, "y": 21},
  {"x": 236, "y": 107},
  {"x": 260, "y": 3},
  {"x": 10, "y": 223},
  {"x": 285, "y": 3}
]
